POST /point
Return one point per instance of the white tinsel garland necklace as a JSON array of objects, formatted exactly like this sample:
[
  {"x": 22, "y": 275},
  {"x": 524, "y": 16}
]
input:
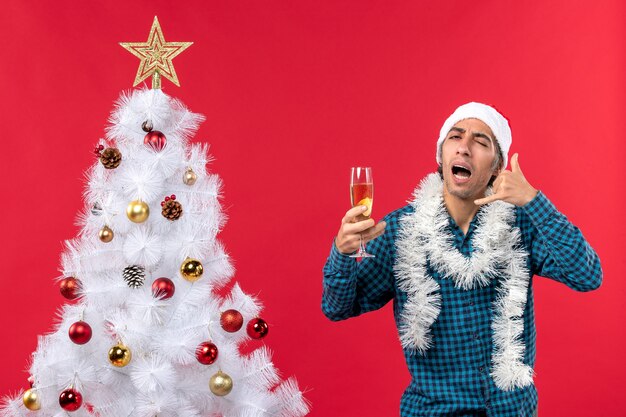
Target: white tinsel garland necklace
[{"x": 423, "y": 237}]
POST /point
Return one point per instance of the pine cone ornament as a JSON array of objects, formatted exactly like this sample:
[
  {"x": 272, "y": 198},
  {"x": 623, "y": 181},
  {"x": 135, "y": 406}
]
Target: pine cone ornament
[
  {"x": 134, "y": 276},
  {"x": 111, "y": 158},
  {"x": 171, "y": 209},
  {"x": 96, "y": 210},
  {"x": 146, "y": 126}
]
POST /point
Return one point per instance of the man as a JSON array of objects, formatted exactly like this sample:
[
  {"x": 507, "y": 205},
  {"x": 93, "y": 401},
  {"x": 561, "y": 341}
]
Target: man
[{"x": 458, "y": 262}]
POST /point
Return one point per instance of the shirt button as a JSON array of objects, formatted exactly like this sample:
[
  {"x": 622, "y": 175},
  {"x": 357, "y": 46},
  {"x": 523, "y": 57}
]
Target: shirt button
[
  {"x": 481, "y": 369},
  {"x": 476, "y": 336},
  {"x": 471, "y": 303}
]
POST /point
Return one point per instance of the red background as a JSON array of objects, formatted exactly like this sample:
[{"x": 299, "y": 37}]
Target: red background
[{"x": 296, "y": 92}]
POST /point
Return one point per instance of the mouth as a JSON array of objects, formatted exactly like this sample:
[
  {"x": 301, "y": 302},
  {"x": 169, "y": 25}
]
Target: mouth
[{"x": 461, "y": 171}]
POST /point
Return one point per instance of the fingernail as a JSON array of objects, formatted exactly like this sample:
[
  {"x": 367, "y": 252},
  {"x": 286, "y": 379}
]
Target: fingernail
[{"x": 363, "y": 208}]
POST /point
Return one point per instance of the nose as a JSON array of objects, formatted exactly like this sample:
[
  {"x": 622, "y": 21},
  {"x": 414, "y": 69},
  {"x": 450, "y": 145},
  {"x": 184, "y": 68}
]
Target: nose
[{"x": 463, "y": 146}]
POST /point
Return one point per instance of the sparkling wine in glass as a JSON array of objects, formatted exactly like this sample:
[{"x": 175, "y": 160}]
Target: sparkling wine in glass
[{"x": 362, "y": 194}]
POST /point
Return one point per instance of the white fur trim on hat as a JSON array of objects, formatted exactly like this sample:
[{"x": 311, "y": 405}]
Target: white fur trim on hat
[{"x": 488, "y": 115}]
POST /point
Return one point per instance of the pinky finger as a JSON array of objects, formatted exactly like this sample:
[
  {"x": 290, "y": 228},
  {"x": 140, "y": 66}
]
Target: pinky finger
[{"x": 486, "y": 200}]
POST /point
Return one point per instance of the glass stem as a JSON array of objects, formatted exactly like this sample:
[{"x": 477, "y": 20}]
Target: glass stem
[{"x": 361, "y": 244}]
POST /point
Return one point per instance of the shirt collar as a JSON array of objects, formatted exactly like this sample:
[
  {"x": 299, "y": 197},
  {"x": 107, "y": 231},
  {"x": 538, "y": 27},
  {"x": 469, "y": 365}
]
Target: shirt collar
[{"x": 456, "y": 230}]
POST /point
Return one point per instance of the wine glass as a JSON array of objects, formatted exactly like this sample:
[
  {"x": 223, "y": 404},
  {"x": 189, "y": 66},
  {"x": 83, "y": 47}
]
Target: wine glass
[{"x": 362, "y": 194}]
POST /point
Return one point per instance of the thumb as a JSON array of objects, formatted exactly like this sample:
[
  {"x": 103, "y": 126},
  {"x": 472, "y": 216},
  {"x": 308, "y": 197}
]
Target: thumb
[{"x": 515, "y": 164}]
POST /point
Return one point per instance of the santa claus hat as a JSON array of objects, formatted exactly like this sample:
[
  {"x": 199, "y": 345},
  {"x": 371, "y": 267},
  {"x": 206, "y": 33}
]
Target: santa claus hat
[{"x": 488, "y": 115}]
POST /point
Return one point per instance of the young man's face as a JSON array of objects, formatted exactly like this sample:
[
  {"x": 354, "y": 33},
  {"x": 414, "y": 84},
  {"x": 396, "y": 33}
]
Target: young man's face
[{"x": 467, "y": 157}]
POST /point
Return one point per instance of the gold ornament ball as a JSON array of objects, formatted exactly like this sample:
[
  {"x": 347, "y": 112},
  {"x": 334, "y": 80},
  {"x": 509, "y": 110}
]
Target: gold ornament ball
[
  {"x": 221, "y": 384},
  {"x": 190, "y": 177},
  {"x": 106, "y": 234},
  {"x": 191, "y": 270},
  {"x": 119, "y": 355},
  {"x": 137, "y": 211},
  {"x": 31, "y": 400}
]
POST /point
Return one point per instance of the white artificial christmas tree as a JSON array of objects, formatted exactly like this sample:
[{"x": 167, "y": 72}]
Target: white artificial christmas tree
[{"x": 146, "y": 335}]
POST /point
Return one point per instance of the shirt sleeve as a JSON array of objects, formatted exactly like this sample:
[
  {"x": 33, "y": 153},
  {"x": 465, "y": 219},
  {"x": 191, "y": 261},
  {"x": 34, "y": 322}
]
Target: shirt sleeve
[
  {"x": 558, "y": 249},
  {"x": 351, "y": 288}
]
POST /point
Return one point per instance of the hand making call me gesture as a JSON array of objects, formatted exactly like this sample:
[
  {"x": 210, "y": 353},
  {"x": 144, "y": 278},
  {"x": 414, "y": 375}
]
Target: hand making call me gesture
[{"x": 509, "y": 186}]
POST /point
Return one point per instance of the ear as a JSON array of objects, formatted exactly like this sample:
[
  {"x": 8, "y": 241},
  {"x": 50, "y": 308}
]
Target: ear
[{"x": 498, "y": 170}]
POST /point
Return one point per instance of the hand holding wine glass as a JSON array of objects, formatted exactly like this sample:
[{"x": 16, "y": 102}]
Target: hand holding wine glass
[{"x": 357, "y": 228}]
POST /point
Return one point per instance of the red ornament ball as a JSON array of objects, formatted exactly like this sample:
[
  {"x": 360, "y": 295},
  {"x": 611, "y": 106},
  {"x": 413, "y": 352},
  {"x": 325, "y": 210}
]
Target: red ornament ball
[
  {"x": 70, "y": 400},
  {"x": 257, "y": 328},
  {"x": 206, "y": 353},
  {"x": 231, "y": 320},
  {"x": 80, "y": 332},
  {"x": 155, "y": 139},
  {"x": 163, "y": 288},
  {"x": 69, "y": 288}
]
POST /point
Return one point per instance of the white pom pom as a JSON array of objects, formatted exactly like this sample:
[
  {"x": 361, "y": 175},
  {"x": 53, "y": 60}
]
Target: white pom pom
[
  {"x": 152, "y": 374},
  {"x": 145, "y": 308},
  {"x": 142, "y": 247},
  {"x": 179, "y": 346},
  {"x": 141, "y": 182},
  {"x": 166, "y": 161}
]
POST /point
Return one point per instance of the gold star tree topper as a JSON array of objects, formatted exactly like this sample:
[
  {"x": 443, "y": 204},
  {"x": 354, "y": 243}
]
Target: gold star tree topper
[{"x": 156, "y": 56}]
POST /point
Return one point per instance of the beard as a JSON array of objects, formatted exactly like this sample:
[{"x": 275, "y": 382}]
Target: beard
[
  {"x": 464, "y": 193},
  {"x": 472, "y": 190}
]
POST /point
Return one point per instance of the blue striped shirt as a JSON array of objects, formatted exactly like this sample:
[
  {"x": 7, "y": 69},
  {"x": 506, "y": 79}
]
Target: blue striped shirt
[{"x": 452, "y": 378}]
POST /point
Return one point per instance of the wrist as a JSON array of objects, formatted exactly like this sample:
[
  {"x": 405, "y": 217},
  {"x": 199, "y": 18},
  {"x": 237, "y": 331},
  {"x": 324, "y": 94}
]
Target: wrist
[
  {"x": 341, "y": 249},
  {"x": 529, "y": 196}
]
